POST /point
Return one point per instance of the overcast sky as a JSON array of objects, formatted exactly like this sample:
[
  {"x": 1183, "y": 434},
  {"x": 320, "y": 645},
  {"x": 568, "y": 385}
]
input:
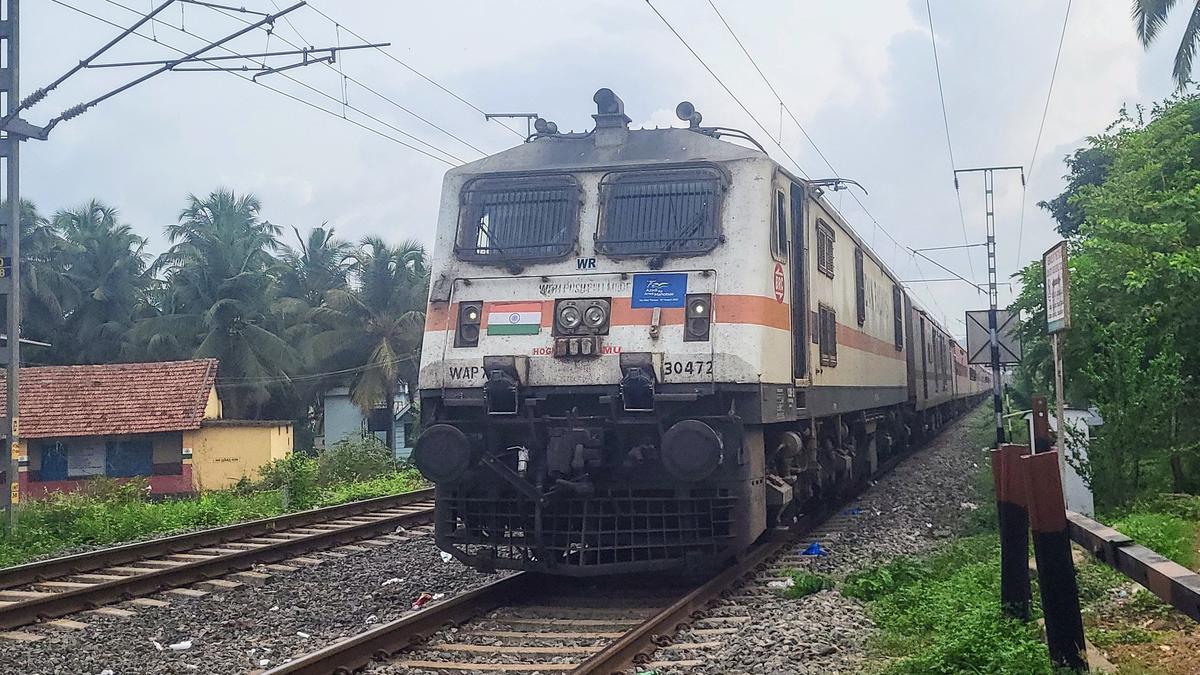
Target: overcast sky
[{"x": 859, "y": 75}]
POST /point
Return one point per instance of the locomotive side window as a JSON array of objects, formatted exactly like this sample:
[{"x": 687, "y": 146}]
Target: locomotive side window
[
  {"x": 659, "y": 213},
  {"x": 522, "y": 218},
  {"x": 827, "y": 320},
  {"x": 824, "y": 248},
  {"x": 860, "y": 286},
  {"x": 897, "y": 316},
  {"x": 780, "y": 245}
]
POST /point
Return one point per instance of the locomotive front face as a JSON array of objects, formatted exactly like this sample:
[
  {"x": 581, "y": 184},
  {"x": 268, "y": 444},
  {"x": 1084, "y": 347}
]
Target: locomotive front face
[{"x": 584, "y": 388}]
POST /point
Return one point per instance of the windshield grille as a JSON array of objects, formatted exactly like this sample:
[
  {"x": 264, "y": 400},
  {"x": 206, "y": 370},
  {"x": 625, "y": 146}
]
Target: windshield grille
[
  {"x": 660, "y": 212},
  {"x": 527, "y": 218}
]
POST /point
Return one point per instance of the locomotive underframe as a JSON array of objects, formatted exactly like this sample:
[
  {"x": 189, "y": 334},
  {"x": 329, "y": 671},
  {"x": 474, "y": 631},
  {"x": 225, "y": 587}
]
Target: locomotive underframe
[{"x": 573, "y": 483}]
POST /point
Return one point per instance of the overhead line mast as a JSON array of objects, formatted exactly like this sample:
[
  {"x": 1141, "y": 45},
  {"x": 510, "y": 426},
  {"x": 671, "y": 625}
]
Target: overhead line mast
[{"x": 993, "y": 292}]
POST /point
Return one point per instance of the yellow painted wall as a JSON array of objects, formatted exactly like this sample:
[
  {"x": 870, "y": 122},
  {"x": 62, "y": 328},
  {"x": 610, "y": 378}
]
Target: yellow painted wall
[
  {"x": 222, "y": 454},
  {"x": 212, "y": 409}
]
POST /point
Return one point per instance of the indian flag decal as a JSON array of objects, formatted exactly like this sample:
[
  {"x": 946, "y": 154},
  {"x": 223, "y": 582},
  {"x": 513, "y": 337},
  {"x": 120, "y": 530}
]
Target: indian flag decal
[{"x": 514, "y": 318}]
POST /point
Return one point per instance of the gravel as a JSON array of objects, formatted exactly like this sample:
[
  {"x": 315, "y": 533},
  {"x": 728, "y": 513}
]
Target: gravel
[
  {"x": 912, "y": 509},
  {"x": 251, "y": 627}
]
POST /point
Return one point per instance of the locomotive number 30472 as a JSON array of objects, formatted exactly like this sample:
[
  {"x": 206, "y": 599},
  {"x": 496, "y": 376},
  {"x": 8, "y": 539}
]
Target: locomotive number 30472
[{"x": 690, "y": 367}]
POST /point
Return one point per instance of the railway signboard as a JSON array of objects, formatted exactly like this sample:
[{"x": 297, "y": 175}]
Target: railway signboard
[
  {"x": 979, "y": 338},
  {"x": 1058, "y": 297}
]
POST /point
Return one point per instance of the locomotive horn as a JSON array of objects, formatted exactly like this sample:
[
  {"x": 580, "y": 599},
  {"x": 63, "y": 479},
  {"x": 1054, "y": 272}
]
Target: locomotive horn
[
  {"x": 691, "y": 450},
  {"x": 443, "y": 454}
]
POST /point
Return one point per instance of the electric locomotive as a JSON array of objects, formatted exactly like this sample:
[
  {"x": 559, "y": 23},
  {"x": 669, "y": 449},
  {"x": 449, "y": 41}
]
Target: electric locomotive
[{"x": 643, "y": 347}]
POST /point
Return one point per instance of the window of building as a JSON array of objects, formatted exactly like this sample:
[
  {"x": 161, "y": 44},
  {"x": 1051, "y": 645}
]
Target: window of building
[
  {"x": 525, "y": 218},
  {"x": 825, "y": 248},
  {"x": 898, "y": 315},
  {"x": 659, "y": 213},
  {"x": 126, "y": 459},
  {"x": 860, "y": 286},
  {"x": 780, "y": 244},
  {"x": 827, "y": 319}
]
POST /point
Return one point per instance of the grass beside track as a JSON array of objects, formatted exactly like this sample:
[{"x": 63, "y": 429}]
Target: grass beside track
[
  {"x": 940, "y": 612},
  {"x": 110, "y": 513}
]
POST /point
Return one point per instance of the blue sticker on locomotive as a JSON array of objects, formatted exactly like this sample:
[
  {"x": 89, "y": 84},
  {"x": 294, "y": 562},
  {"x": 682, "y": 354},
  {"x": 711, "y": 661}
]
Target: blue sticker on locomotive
[{"x": 659, "y": 290}]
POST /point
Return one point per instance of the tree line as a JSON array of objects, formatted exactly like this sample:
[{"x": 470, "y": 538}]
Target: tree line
[
  {"x": 1131, "y": 215},
  {"x": 288, "y": 314}
]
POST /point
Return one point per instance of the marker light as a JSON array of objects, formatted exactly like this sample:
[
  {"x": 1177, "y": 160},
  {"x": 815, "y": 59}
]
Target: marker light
[
  {"x": 698, "y": 318},
  {"x": 467, "y": 332}
]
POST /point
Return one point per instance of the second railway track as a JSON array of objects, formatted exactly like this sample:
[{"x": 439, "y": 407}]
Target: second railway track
[{"x": 58, "y": 587}]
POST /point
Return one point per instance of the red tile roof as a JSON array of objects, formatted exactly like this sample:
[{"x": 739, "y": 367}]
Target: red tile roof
[{"x": 121, "y": 398}]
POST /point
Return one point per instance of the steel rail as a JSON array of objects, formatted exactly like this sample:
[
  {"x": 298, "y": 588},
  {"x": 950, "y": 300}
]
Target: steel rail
[
  {"x": 641, "y": 641},
  {"x": 393, "y": 637},
  {"x": 89, "y": 561},
  {"x": 68, "y": 602}
]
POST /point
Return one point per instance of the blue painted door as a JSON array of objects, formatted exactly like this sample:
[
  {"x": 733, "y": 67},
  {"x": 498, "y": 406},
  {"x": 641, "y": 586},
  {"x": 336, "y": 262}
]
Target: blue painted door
[{"x": 54, "y": 462}]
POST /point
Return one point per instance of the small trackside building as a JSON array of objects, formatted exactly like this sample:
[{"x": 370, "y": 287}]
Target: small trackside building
[{"x": 161, "y": 421}]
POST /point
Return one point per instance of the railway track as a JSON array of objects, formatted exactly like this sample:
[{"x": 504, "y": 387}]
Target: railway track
[
  {"x": 48, "y": 589},
  {"x": 532, "y": 623}
]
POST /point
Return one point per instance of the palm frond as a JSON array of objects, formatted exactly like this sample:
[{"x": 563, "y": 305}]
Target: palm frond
[
  {"x": 1149, "y": 16},
  {"x": 1187, "y": 50}
]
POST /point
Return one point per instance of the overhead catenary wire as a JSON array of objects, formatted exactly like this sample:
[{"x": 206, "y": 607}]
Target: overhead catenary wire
[
  {"x": 350, "y": 78},
  {"x": 1041, "y": 126},
  {"x": 724, "y": 86},
  {"x": 418, "y": 73},
  {"x": 293, "y": 97},
  {"x": 319, "y": 92},
  {"x": 340, "y": 101},
  {"x": 783, "y": 106},
  {"x": 937, "y": 69},
  {"x": 875, "y": 222}
]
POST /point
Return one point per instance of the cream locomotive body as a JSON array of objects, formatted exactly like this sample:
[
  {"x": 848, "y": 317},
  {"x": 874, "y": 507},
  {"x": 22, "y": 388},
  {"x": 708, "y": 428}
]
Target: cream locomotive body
[{"x": 644, "y": 347}]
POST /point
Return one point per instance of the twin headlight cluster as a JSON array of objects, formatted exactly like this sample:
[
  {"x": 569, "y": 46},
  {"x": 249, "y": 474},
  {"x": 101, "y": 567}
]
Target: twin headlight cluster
[{"x": 582, "y": 316}]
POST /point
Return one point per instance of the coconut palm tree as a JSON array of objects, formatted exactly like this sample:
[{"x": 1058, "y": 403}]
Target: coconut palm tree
[
  {"x": 320, "y": 264},
  {"x": 217, "y": 299},
  {"x": 45, "y": 289},
  {"x": 106, "y": 265},
  {"x": 373, "y": 332},
  {"x": 1149, "y": 16}
]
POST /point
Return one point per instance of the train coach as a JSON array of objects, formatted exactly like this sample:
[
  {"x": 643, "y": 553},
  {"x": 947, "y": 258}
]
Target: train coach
[{"x": 644, "y": 347}]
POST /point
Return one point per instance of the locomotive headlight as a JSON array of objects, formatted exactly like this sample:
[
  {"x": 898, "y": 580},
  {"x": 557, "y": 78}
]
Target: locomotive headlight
[
  {"x": 569, "y": 317},
  {"x": 595, "y": 316}
]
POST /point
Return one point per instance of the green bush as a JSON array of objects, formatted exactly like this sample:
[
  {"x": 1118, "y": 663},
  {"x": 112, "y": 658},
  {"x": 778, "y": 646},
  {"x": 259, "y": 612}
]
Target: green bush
[
  {"x": 405, "y": 480},
  {"x": 805, "y": 583},
  {"x": 347, "y": 461},
  {"x": 874, "y": 583},
  {"x": 1168, "y": 535},
  {"x": 295, "y": 474}
]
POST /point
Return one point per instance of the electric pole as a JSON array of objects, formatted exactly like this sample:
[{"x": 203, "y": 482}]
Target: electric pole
[
  {"x": 10, "y": 228},
  {"x": 993, "y": 293}
]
